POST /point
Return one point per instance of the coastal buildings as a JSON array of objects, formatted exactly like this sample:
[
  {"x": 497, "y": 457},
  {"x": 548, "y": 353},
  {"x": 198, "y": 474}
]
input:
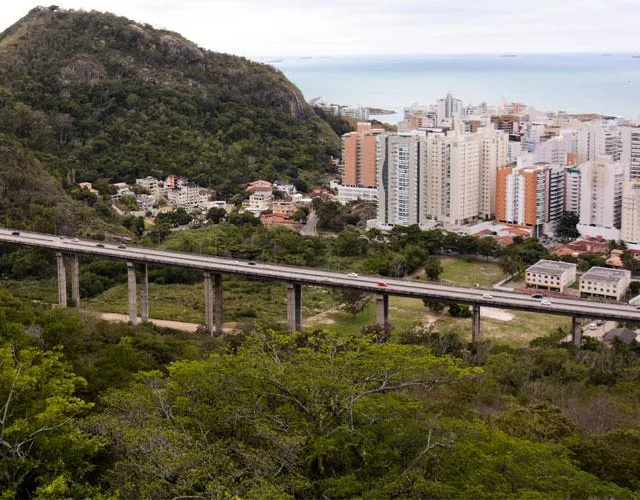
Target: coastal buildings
[
  {"x": 605, "y": 283},
  {"x": 446, "y": 177},
  {"x": 551, "y": 275}
]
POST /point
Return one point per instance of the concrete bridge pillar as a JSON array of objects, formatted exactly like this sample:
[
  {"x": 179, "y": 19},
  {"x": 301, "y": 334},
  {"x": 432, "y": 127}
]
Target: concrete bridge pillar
[
  {"x": 62, "y": 280},
  {"x": 144, "y": 294},
  {"x": 208, "y": 302},
  {"x": 294, "y": 307},
  {"x": 133, "y": 294},
  {"x": 576, "y": 331},
  {"x": 75, "y": 281},
  {"x": 382, "y": 310},
  {"x": 476, "y": 323},
  {"x": 217, "y": 297}
]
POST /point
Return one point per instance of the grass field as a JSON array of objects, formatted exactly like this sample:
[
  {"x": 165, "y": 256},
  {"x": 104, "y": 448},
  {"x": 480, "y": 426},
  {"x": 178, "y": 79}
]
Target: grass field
[
  {"x": 523, "y": 328},
  {"x": 405, "y": 313},
  {"x": 468, "y": 273},
  {"x": 43, "y": 290},
  {"x": 243, "y": 300},
  {"x": 246, "y": 300}
]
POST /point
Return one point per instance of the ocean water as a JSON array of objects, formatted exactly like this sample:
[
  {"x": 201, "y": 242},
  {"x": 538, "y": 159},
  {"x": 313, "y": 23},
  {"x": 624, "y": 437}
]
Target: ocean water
[{"x": 576, "y": 83}]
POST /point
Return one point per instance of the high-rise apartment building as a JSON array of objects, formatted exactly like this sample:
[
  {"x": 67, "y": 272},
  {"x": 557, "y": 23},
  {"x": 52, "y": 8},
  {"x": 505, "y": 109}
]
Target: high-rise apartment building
[
  {"x": 601, "y": 193},
  {"x": 596, "y": 138},
  {"x": 630, "y": 229},
  {"x": 530, "y": 194},
  {"x": 533, "y": 135},
  {"x": 447, "y": 177},
  {"x": 453, "y": 177},
  {"x": 359, "y": 156},
  {"x": 493, "y": 153},
  {"x": 630, "y": 157},
  {"x": 572, "y": 183},
  {"x": 401, "y": 178},
  {"x": 555, "y": 149},
  {"x": 447, "y": 109}
]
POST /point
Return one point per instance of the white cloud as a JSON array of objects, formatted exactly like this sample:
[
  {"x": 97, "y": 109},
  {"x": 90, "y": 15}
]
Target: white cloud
[{"x": 308, "y": 27}]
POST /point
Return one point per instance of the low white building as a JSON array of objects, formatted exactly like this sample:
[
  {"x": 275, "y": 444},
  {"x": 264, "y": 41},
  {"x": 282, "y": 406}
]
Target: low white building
[
  {"x": 551, "y": 275},
  {"x": 154, "y": 186},
  {"x": 189, "y": 197},
  {"x": 347, "y": 194},
  {"x": 288, "y": 189},
  {"x": 145, "y": 202},
  {"x": 259, "y": 202},
  {"x": 605, "y": 282}
]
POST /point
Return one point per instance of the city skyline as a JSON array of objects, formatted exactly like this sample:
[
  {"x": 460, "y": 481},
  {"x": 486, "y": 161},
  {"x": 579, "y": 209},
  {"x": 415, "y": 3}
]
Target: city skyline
[{"x": 303, "y": 28}]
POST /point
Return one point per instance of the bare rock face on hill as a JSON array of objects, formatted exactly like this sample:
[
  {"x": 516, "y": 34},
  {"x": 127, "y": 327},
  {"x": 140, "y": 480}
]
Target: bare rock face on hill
[{"x": 111, "y": 98}]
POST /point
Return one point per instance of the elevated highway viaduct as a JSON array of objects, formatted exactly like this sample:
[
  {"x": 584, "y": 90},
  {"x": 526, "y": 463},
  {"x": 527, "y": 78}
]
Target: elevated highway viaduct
[{"x": 213, "y": 268}]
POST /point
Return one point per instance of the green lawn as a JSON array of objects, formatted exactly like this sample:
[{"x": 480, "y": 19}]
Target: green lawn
[{"x": 468, "y": 273}]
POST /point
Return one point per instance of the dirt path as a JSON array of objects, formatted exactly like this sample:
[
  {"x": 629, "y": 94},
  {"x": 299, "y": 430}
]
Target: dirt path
[
  {"x": 163, "y": 323},
  {"x": 321, "y": 318},
  {"x": 493, "y": 313}
]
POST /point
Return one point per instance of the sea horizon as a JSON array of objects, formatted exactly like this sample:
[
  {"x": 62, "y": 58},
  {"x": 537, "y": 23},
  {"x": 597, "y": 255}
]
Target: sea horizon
[{"x": 606, "y": 83}]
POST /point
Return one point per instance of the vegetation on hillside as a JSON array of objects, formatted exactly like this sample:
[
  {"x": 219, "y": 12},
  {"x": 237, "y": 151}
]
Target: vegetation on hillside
[
  {"x": 95, "y": 409},
  {"x": 93, "y": 95}
]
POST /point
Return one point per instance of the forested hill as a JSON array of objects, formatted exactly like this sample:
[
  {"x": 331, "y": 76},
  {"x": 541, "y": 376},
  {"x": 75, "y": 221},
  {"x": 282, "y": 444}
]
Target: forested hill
[{"x": 112, "y": 98}]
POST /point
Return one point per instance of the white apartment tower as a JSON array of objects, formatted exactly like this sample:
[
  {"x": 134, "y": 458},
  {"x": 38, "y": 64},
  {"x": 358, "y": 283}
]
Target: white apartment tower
[
  {"x": 400, "y": 170},
  {"x": 630, "y": 230},
  {"x": 630, "y": 138},
  {"x": 493, "y": 153},
  {"x": 533, "y": 134},
  {"x": 453, "y": 177},
  {"x": 589, "y": 141},
  {"x": 554, "y": 150},
  {"x": 572, "y": 182},
  {"x": 596, "y": 138},
  {"x": 601, "y": 193},
  {"x": 447, "y": 109}
]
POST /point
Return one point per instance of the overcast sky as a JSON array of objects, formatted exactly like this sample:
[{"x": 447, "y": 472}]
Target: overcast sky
[{"x": 255, "y": 28}]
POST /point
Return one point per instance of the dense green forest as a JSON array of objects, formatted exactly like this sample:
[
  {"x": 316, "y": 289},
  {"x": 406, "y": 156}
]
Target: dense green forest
[
  {"x": 92, "y": 409},
  {"x": 95, "y": 409},
  {"x": 94, "y": 96}
]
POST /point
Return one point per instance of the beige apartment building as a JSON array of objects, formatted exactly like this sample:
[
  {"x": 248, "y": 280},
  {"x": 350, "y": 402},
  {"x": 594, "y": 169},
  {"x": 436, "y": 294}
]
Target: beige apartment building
[
  {"x": 453, "y": 177},
  {"x": 551, "y": 275}
]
